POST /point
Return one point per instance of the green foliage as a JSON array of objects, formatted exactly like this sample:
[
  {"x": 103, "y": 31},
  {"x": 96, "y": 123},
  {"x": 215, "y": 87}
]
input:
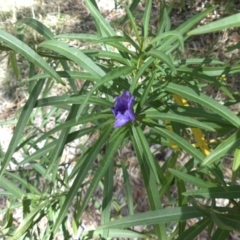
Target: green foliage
[{"x": 171, "y": 110}]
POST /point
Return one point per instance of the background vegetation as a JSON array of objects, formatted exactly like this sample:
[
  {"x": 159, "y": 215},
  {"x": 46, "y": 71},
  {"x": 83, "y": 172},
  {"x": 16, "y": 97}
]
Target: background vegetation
[{"x": 72, "y": 81}]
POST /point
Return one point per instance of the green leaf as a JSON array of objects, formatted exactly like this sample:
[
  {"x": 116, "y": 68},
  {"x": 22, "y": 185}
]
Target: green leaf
[
  {"x": 74, "y": 122},
  {"x": 205, "y": 101},
  {"x": 27, "y": 221},
  {"x": 220, "y": 234},
  {"x": 67, "y": 74},
  {"x": 11, "y": 187},
  {"x": 226, "y": 221},
  {"x": 175, "y": 34},
  {"x": 141, "y": 139},
  {"x": 100, "y": 21},
  {"x": 8, "y": 194},
  {"x": 75, "y": 55},
  {"x": 223, "y": 148},
  {"x": 149, "y": 180},
  {"x": 128, "y": 189},
  {"x": 28, "y": 53},
  {"x": 163, "y": 57},
  {"x": 107, "y": 197},
  {"x": 236, "y": 165},
  {"x": 199, "y": 61},
  {"x": 146, "y": 18},
  {"x": 174, "y": 214},
  {"x": 180, "y": 142},
  {"x": 38, "y": 26},
  {"x": 215, "y": 192},
  {"x": 82, "y": 173},
  {"x": 114, "y": 233},
  {"x": 112, "y": 56},
  {"x": 221, "y": 24},
  {"x": 70, "y": 80},
  {"x": 191, "y": 179},
  {"x": 13, "y": 61},
  {"x": 55, "y": 154},
  {"x": 194, "y": 231},
  {"x": 146, "y": 92},
  {"x": 184, "y": 27},
  {"x": 51, "y": 101},
  {"x": 131, "y": 9},
  {"x": 133, "y": 23},
  {"x": 139, "y": 74},
  {"x": 115, "y": 41},
  {"x": 154, "y": 114},
  {"x": 182, "y": 201},
  {"x": 208, "y": 75},
  {"x": 78, "y": 36},
  {"x": 22, "y": 121},
  {"x": 24, "y": 183},
  {"x": 114, "y": 142},
  {"x": 8, "y": 219},
  {"x": 200, "y": 113},
  {"x": 164, "y": 19},
  {"x": 47, "y": 148}
]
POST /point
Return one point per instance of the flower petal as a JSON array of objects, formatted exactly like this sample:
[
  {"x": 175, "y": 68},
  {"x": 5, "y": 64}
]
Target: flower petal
[
  {"x": 122, "y": 119},
  {"x": 130, "y": 103},
  {"x": 121, "y": 122},
  {"x": 123, "y": 109},
  {"x": 130, "y": 114}
]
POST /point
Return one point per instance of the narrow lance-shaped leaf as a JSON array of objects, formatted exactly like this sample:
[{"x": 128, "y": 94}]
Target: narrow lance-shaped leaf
[
  {"x": 38, "y": 26},
  {"x": 28, "y": 53},
  {"x": 23, "y": 119},
  {"x": 220, "y": 234},
  {"x": 75, "y": 55},
  {"x": 114, "y": 233},
  {"x": 204, "y": 100},
  {"x": 27, "y": 221},
  {"x": 10, "y": 187},
  {"x": 175, "y": 34},
  {"x": 78, "y": 36},
  {"x": 226, "y": 221},
  {"x": 180, "y": 142},
  {"x": 154, "y": 217},
  {"x": 194, "y": 231},
  {"x": 221, "y": 24},
  {"x": 133, "y": 23},
  {"x": 223, "y": 148},
  {"x": 163, "y": 57},
  {"x": 58, "y": 100},
  {"x": 115, "y": 141},
  {"x": 191, "y": 179},
  {"x": 146, "y": 18},
  {"x": 149, "y": 180},
  {"x": 216, "y": 192},
  {"x": 55, "y": 155},
  {"x": 236, "y": 165},
  {"x": 105, "y": 27},
  {"x": 107, "y": 196},
  {"x": 128, "y": 189},
  {"x": 183, "y": 28},
  {"x": 153, "y": 114},
  {"x": 92, "y": 154}
]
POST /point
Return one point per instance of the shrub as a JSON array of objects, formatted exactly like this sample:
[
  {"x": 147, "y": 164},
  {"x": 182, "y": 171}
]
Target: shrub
[{"x": 159, "y": 101}]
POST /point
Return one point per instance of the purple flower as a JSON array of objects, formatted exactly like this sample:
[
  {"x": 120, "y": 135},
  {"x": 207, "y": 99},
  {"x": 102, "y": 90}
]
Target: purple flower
[{"x": 123, "y": 109}]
